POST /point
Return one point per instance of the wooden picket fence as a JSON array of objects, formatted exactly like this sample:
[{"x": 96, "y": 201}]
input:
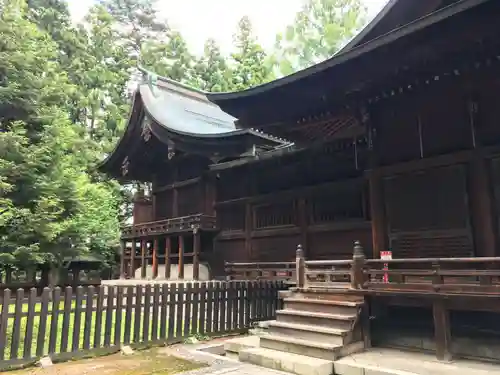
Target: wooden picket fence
[{"x": 67, "y": 323}]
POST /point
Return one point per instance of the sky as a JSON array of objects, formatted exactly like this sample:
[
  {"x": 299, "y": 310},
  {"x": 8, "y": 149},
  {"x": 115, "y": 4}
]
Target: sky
[{"x": 199, "y": 20}]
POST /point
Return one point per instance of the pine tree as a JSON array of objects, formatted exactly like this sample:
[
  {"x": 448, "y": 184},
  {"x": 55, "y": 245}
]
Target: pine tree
[
  {"x": 250, "y": 68},
  {"x": 211, "y": 71}
]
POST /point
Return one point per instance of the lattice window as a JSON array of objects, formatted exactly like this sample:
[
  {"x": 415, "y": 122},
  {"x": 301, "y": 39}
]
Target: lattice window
[
  {"x": 442, "y": 244},
  {"x": 344, "y": 204},
  {"x": 274, "y": 215},
  {"x": 231, "y": 217},
  {"x": 427, "y": 214}
]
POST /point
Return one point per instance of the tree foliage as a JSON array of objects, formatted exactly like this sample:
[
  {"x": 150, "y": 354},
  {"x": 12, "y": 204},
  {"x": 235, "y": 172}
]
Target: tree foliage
[{"x": 319, "y": 30}]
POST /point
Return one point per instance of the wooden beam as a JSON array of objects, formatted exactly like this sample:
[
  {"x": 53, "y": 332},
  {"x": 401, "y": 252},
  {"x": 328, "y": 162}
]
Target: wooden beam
[
  {"x": 297, "y": 192},
  {"x": 177, "y": 184},
  {"x": 181, "y": 257},
  {"x": 442, "y": 330},
  {"x": 155, "y": 258},
  {"x": 196, "y": 253},
  {"x": 144, "y": 246},
  {"x": 168, "y": 261}
]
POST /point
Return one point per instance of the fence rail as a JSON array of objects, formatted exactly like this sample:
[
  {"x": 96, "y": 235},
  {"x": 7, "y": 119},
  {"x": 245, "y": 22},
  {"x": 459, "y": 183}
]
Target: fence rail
[
  {"x": 68, "y": 322},
  {"x": 284, "y": 271},
  {"x": 478, "y": 276}
]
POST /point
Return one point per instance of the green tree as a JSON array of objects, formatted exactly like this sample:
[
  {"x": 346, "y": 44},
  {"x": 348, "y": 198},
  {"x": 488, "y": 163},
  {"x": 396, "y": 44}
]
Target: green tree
[
  {"x": 211, "y": 72},
  {"x": 46, "y": 193},
  {"x": 170, "y": 58},
  {"x": 250, "y": 66},
  {"x": 148, "y": 39},
  {"x": 138, "y": 22},
  {"x": 319, "y": 30}
]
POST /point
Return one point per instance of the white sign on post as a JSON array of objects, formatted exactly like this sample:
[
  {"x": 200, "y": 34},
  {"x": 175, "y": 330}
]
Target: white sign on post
[{"x": 386, "y": 255}]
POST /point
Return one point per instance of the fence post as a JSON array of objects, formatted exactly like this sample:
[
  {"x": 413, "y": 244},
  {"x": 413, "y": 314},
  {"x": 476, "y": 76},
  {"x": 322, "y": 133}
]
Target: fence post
[
  {"x": 358, "y": 263},
  {"x": 227, "y": 270},
  {"x": 300, "y": 267}
]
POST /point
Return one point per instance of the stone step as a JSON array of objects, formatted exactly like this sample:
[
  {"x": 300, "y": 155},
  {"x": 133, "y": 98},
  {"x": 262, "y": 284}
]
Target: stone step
[
  {"x": 329, "y": 335},
  {"x": 324, "y": 306},
  {"x": 321, "y": 293},
  {"x": 309, "y": 348},
  {"x": 238, "y": 344},
  {"x": 340, "y": 321},
  {"x": 285, "y": 293},
  {"x": 288, "y": 362},
  {"x": 355, "y": 369}
]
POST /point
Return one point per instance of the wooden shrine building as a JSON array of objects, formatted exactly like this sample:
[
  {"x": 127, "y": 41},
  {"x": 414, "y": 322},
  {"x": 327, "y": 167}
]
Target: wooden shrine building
[
  {"x": 393, "y": 142},
  {"x": 173, "y": 135},
  {"x": 416, "y": 107}
]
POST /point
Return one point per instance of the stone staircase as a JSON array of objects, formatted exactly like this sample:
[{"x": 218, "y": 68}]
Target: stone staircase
[{"x": 314, "y": 329}]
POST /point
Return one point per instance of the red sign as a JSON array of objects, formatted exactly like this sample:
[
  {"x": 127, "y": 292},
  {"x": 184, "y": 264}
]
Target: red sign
[{"x": 386, "y": 255}]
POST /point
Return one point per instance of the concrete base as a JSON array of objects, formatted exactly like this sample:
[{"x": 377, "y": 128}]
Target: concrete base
[
  {"x": 293, "y": 363},
  {"x": 395, "y": 362},
  {"x": 238, "y": 344},
  {"x": 204, "y": 273}
]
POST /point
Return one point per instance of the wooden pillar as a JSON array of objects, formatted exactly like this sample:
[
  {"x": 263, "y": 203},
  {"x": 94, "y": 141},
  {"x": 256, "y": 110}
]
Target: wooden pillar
[
  {"x": 175, "y": 202},
  {"x": 482, "y": 207},
  {"x": 132, "y": 260},
  {"x": 181, "y": 257},
  {"x": 144, "y": 247},
  {"x": 442, "y": 331},
  {"x": 302, "y": 212},
  {"x": 196, "y": 253},
  {"x": 248, "y": 231},
  {"x": 210, "y": 195},
  {"x": 377, "y": 213},
  {"x": 168, "y": 261},
  {"x": 377, "y": 205},
  {"x": 155, "y": 258},
  {"x": 123, "y": 246}
]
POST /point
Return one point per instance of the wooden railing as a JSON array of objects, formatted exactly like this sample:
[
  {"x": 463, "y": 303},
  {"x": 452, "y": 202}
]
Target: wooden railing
[
  {"x": 177, "y": 224},
  {"x": 472, "y": 276},
  {"x": 284, "y": 271}
]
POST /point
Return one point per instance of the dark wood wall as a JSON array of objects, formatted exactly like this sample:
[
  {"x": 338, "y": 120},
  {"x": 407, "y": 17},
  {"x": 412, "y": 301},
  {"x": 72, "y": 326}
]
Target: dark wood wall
[
  {"x": 181, "y": 188},
  {"x": 316, "y": 198},
  {"x": 439, "y": 174}
]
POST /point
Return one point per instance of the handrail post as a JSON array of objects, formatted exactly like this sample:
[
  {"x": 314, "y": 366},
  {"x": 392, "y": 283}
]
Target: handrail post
[
  {"x": 227, "y": 270},
  {"x": 358, "y": 264},
  {"x": 300, "y": 267}
]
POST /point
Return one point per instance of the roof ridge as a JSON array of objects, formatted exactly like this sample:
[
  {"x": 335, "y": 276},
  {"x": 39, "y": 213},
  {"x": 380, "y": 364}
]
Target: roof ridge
[{"x": 178, "y": 87}]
